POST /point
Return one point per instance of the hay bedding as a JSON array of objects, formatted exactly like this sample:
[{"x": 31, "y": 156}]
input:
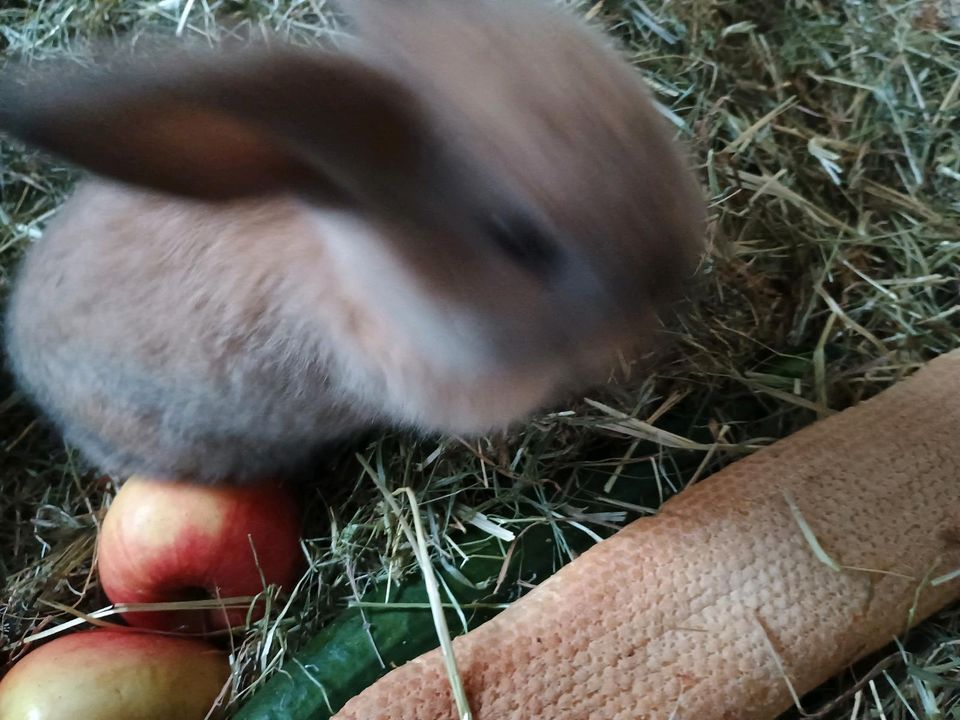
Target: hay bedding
[{"x": 829, "y": 139}]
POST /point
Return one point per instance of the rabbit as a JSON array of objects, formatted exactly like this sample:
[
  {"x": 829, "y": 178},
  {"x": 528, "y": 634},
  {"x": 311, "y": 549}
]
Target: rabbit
[{"x": 444, "y": 225}]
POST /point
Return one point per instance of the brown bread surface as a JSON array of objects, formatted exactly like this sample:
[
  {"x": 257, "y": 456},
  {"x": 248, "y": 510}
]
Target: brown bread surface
[{"x": 691, "y": 613}]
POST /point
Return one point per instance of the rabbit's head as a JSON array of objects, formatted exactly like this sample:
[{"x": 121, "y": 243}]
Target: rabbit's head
[{"x": 513, "y": 165}]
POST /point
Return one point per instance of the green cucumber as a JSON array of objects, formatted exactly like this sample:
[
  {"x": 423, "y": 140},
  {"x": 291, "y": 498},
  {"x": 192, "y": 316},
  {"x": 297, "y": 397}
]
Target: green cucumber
[{"x": 340, "y": 661}]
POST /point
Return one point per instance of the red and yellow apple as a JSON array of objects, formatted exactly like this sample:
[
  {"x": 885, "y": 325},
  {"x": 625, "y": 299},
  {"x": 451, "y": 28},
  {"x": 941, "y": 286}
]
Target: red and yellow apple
[
  {"x": 164, "y": 541},
  {"x": 114, "y": 675}
]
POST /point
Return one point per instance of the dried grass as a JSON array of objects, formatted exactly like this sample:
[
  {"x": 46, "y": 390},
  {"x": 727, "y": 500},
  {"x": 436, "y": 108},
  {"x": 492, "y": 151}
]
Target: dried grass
[{"x": 827, "y": 132}]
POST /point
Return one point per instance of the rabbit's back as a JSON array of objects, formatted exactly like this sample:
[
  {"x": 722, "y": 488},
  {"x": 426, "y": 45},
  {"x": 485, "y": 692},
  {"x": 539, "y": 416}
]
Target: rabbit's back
[
  {"x": 167, "y": 334},
  {"x": 228, "y": 340}
]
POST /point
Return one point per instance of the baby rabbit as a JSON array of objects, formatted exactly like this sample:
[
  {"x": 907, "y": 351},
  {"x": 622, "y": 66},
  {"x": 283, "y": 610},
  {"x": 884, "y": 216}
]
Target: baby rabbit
[{"x": 443, "y": 225}]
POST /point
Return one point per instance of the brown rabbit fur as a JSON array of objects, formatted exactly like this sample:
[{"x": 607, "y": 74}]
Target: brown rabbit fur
[{"x": 464, "y": 213}]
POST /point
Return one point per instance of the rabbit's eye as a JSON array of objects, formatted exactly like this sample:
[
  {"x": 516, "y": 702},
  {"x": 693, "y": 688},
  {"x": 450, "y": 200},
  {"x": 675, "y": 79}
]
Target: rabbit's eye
[{"x": 525, "y": 242}]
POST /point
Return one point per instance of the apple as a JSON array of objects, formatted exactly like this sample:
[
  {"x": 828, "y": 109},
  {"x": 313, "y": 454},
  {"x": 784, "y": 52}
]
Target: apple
[
  {"x": 164, "y": 541},
  {"x": 114, "y": 675}
]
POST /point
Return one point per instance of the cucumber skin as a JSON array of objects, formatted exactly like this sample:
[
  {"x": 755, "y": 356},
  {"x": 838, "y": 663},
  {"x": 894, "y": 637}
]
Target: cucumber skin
[{"x": 340, "y": 657}]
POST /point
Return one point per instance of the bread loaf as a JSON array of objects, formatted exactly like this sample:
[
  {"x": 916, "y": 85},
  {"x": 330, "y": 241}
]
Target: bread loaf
[{"x": 709, "y": 608}]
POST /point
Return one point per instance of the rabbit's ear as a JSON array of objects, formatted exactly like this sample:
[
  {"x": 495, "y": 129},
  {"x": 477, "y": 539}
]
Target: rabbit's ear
[{"x": 229, "y": 124}]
